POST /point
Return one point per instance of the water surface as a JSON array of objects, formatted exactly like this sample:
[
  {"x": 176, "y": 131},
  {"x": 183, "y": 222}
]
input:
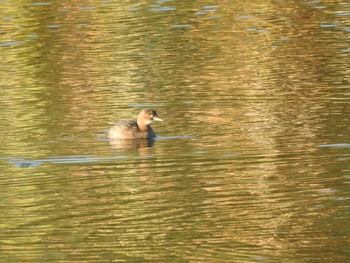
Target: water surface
[{"x": 251, "y": 163}]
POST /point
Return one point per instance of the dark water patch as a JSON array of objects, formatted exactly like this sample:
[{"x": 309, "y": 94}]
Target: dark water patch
[
  {"x": 145, "y": 105},
  {"x": 343, "y": 14},
  {"x": 64, "y": 138},
  {"x": 335, "y": 145},
  {"x": 180, "y": 25},
  {"x": 87, "y": 8},
  {"x": 27, "y": 163},
  {"x": 11, "y": 43},
  {"x": 22, "y": 163},
  {"x": 162, "y": 9},
  {"x": 40, "y": 4},
  {"x": 53, "y": 26},
  {"x": 211, "y": 7},
  {"x": 244, "y": 17},
  {"x": 161, "y": 138},
  {"x": 329, "y": 25}
]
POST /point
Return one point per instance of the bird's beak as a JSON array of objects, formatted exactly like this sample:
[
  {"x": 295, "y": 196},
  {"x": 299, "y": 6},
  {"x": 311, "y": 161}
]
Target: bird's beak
[{"x": 157, "y": 118}]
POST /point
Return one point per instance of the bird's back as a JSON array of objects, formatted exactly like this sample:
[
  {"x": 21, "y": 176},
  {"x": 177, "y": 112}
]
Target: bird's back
[{"x": 126, "y": 129}]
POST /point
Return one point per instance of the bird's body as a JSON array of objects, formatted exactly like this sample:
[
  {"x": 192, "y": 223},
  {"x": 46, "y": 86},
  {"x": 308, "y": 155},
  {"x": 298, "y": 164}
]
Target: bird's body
[{"x": 131, "y": 129}]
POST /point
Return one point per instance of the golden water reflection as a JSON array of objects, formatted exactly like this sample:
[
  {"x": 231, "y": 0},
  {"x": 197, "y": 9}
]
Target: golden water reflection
[{"x": 252, "y": 163}]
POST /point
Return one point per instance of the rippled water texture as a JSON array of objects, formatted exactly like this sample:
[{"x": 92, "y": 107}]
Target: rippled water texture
[{"x": 252, "y": 160}]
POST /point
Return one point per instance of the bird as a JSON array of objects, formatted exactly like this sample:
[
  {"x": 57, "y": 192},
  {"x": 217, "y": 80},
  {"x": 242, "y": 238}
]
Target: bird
[{"x": 135, "y": 129}]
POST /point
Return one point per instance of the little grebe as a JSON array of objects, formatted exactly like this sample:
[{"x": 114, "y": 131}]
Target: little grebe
[{"x": 130, "y": 129}]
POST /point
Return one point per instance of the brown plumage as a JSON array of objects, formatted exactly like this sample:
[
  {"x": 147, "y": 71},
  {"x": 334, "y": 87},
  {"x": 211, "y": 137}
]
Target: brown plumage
[{"x": 130, "y": 129}]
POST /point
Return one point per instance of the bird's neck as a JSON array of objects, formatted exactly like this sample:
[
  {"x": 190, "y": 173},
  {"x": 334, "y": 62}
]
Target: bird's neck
[{"x": 142, "y": 125}]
